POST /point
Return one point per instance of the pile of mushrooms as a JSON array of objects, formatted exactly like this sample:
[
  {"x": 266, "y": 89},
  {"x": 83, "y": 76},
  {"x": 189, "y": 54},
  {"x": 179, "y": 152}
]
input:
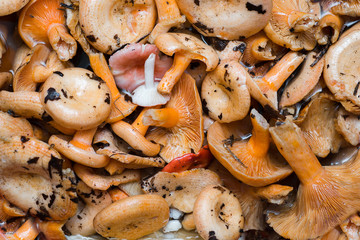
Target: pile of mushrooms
[{"x": 154, "y": 119}]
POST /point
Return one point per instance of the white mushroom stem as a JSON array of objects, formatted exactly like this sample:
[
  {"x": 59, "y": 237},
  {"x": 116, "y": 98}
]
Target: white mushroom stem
[{"x": 149, "y": 71}]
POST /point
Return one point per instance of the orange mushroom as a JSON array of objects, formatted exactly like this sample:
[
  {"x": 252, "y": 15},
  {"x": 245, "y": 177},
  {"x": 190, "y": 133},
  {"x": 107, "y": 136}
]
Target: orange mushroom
[
  {"x": 180, "y": 124},
  {"x": 28, "y": 231},
  {"x": 329, "y": 29},
  {"x": 52, "y": 230}
]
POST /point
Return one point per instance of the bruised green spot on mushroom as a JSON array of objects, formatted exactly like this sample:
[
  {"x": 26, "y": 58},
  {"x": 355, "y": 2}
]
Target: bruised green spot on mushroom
[{"x": 52, "y": 95}]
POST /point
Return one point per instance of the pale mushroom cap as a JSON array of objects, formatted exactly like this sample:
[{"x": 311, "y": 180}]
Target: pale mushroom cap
[
  {"x": 76, "y": 98},
  {"x": 132, "y": 217},
  {"x": 108, "y": 25},
  {"x": 230, "y": 20},
  {"x": 348, "y": 125},
  {"x": 170, "y": 43},
  {"x": 8, "y": 7},
  {"x": 11, "y": 126}
]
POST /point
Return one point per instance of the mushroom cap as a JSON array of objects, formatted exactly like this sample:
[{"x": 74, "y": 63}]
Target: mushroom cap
[
  {"x": 304, "y": 14},
  {"x": 225, "y": 92},
  {"x": 108, "y": 25},
  {"x": 231, "y": 149},
  {"x": 187, "y": 135},
  {"x": 230, "y": 20},
  {"x": 11, "y": 126},
  {"x": 76, "y": 98},
  {"x": 180, "y": 190},
  {"x": 132, "y": 217},
  {"x": 32, "y": 178},
  {"x": 8, "y": 7},
  {"x": 342, "y": 67},
  {"x": 348, "y": 125},
  {"x": 343, "y": 7},
  {"x": 191, "y": 46},
  {"x": 218, "y": 214}
]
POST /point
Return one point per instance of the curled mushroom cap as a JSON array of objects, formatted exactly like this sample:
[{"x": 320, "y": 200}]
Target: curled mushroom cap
[
  {"x": 228, "y": 20},
  {"x": 293, "y": 24},
  {"x": 341, "y": 67},
  {"x": 329, "y": 29},
  {"x": 348, "y": 125},
  {"x": 225, "y": 92},
  {"x": 76, "y": 98},
  {"x": 132, "y": 217},
  {"x": 218, "y": 214},
  {"x": 108, "y": 25},
  {"x": 327, "y": 195},
  {"x": 343, "y": 7},
  {"x": 180, "y": 190},
  {"x": 43, "y": 21},
  {"x": 180, "y": 123},
  {"x": 185, "y": 48},
  {"x": 9, "y": 7},
  {"x": 32, "y": 179},
  {"x": 11, "y": 126},
  {"x": 249, "y": 160}
]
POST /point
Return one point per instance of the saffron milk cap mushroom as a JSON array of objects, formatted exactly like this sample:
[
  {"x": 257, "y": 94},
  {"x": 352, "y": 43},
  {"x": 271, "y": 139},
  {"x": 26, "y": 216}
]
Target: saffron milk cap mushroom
[
  {"x": 132, "y": 217},
  {"x": 11, "y": 126},
  {"x": 108, "y": 25},
  {"x": 76, "y": 98},
  {"x": 8, "y": 7},
  {"x": 348, "y": 125},
  {"x": 343, "y": 7},
  {"x": 225, "y": 92},
  {"x": 230, "y": 20}
]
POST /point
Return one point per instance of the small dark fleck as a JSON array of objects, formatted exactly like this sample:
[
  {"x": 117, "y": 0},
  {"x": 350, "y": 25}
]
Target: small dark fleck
[
  {"x": 252, "y": 115},
  {"x": 64, "y": 93},
  {"x": 203, "y": 27},
  {"x": 69, "y": 6},
  {"x": 128, "y": 98},
  {"x": 356, "y": 89},
  {"x": 33, "y": 160},
  {"x": 93, "y": 76},
  {"x": 52, "y": 95},
  {"x": 292, "y": 29},
  {"x": 102, "y": 145},
  {"x": 220, "y": 188},
  {"x": 342, "y": 74},
  {"x": 27, "y": 169},
  {"x": 75, "y": 200},
  {"x": 59, "y": 73},
  {"x": 241, "y": 47},
  {"x": 197, "y": 2},
  {"x": 212, "y": 235},
  {"x": 164, "y": 196},
  {"x": 220, "y": 116},
  {"x": 55, "y": 164},
  {"x": 91, "y": 38},
  {"x": 178, "y": 188},
  {"x": 107, "y": 99},
  {"x": 327, "y": 66},
  {"x": 259, "y": 9},
  {"x": 24, "y": 139}
]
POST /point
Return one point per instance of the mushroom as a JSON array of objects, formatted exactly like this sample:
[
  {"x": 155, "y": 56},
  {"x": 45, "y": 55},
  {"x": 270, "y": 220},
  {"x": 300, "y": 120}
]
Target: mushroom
[
  {"x": 293, "y": 24},
  {"x": 180, "y": 190},
  {"x": 264, "y": 89},
  {"x": 351, "y": 227},
  {"x": 5, "y": 79},
  {"x": 132, "y": 217},
  {"x": 341, "y": 76},
  {"x": 188, "y": 223},
  {"x": 76, "y": 98},
  {"x": 11, "y": 126},
  {"x": 329, "y": 29},
  {"x": 42, "y": 21},
  {"x": 218, "y": 214},
  {"x": 134, "y": 133},
  {"x": 9, "y": 7},
  {"x": 131, "y": 188},
  {"x": 180, "y": 124},
  {"x": 228, "y": 20},
  {"x": 225, "y": 92},
  {"x": 51, "y": 230},
  {"x": 28, "y": 230},
  {"x": 185, "y": 48},
  {"x": 117, "y": 23},
  {"x": 168, "y": 16},
  {"x": 103, "y": 182},
  {"x": 318, "y": 127},
  {"x": 232, "y": 51},
  {"x": 249, "y": 160},
  {"x": 116, "y": 194},
  {"x": 116, "y": 150},
  {"x": 326, "y": 195},
  {"x": 32, "y": 178},
  {"x": 302, "y": 84},
  {"x": 135, "y": 68},
  {"x": 342, "y": 7},
  {"x": 94, "y": 202},
  {"x": 348, "y": 125}
]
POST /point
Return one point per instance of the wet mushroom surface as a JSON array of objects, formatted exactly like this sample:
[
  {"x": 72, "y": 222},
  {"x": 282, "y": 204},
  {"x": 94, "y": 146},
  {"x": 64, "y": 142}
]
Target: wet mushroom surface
[{"x": 179, "y": 119}]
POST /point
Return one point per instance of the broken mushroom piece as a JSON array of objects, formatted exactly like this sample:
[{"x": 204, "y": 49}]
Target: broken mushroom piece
[
  {"x": 51, "y": 230},
  {"x": 168, "y": 16},
  {"x": 14, "y": 126},
  {"x": 329, "y": 29},
  {"x": 249, "y": 160},
  {"x": 180, "y": 124},
  {"x": 132, "y": 217},
  {"x": 225, "y": 92},
  {"x": 326, "y": 195},
  {"x": 348, "y": 125},
  {"x": 9, "y": 7},
  {"x": 302, "y": 84},
  {"x": 218, "y": 214},
  {"x": 28, "y": 230},
  {"x": 342, "y": 7},
  {"x": 341, "y": 68},
  {"x": 76, "y": 98},
  {"x": 104, "y": 182},
  {"x": 43, "y": 21},
  {"x": 117, "y": 23},
  {"x": 32, "y": 178},
  {"x": 293, "y": 24},
  {"x": 351, "y": 227},
  {"x": 180, "y": 190},
  {"x": 94, "y": 202},
  {"x": 227, "y": 20},
  {"x": 185, "y": 48}
]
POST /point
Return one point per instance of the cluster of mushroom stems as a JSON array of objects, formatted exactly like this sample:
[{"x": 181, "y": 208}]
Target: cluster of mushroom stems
[{"x": 218, "y": 119}]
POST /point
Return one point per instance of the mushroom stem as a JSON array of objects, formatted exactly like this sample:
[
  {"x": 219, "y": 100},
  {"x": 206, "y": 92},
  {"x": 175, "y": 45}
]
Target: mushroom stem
[
  {"x": 172, "y": 76},
  {"x": 165, "y": 117},
  {"x": 83, "y": 139},
  {"x": 330, "y": 26},
  {"x": 301, "y": 21},
  {"x": 298, "y": 154},
  {"x": 120, "y": 107},
  {"x": 281, "y": 71},
  {"x": 261, "y": 48},
  {"x": 259, "y": 142},
  {"x": 27, "y": 231},
  {"x": 138, "y": 123},
  {"x": 61, "y": 41}
]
